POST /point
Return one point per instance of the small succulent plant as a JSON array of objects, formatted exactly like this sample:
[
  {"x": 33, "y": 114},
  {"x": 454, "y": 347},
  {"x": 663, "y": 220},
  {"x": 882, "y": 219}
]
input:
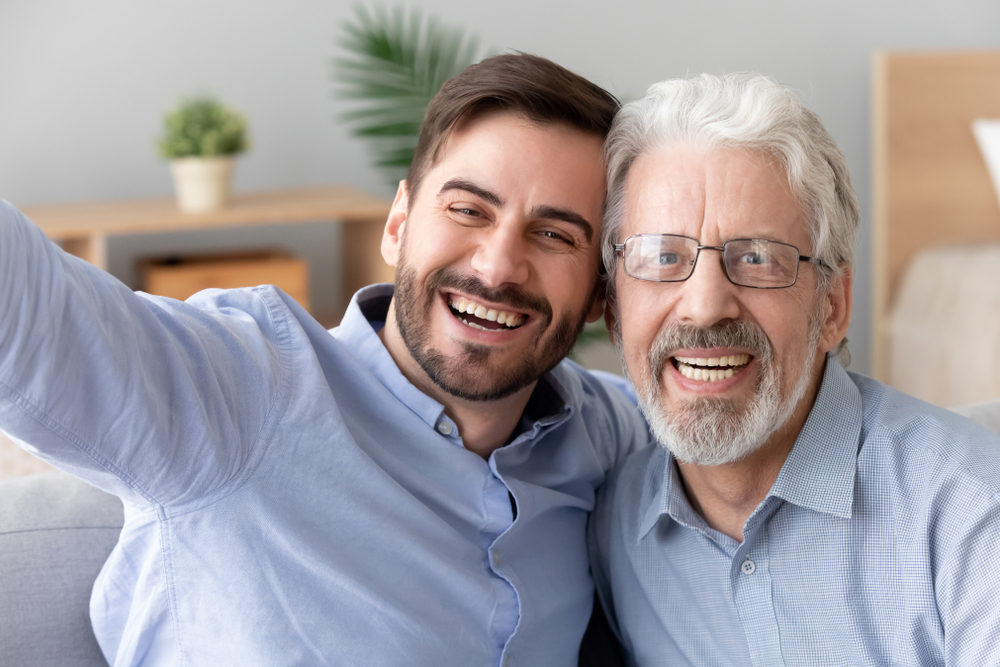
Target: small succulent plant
[{"x": 202, "y": 127}]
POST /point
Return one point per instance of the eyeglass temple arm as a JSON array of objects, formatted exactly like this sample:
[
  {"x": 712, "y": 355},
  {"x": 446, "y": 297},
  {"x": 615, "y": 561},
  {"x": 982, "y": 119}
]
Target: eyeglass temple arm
[{"x": 812, "y": 260}]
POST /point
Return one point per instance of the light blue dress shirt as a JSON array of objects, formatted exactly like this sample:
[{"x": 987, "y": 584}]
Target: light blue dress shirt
[
  {"x": 290, "y": 498},
  {"x": 877, "y": 545}
]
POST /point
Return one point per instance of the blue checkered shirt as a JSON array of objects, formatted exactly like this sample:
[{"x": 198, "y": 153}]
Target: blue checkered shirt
[{"x": 877, "y": 545}]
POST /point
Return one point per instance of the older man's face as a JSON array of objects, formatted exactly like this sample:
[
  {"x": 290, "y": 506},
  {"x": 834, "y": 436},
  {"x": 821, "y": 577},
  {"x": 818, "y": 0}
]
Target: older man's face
[{"x": 719, "y": 367}]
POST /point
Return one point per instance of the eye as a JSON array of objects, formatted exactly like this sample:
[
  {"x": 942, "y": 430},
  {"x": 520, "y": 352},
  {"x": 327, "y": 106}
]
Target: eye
[
  {"x": 556, "y": 236},
  {"x": 468, "y": 214},
  {"x": 668, "y": 258},
  {"x": 755, "y": 258}
]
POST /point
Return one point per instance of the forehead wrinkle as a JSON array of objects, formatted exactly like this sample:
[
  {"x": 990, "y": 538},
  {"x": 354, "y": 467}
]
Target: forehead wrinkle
[
  {"x": 746, "y": 206},
  {"x": 654, "y": 200}
]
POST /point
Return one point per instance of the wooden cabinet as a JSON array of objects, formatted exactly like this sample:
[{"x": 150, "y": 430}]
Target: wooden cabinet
[{"x": 83, "y": 229}]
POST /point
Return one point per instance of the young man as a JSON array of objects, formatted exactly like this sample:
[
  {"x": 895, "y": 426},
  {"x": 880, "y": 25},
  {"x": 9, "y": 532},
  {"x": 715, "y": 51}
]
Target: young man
[
  {"x": 795, "y": 514},
  {"x": 409, "y": 488}
]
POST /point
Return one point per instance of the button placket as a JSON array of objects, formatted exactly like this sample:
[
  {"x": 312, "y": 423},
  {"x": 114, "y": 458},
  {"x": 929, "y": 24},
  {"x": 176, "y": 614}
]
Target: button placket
[{"x": 752, "y": 595}]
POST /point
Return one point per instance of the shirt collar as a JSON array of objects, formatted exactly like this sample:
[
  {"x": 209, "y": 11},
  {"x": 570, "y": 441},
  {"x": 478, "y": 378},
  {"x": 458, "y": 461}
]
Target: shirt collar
[
  {"x": 356, "y": 331},
  {"x": 669, "y": 498},
  {"x": 818, "y": 473},
  {"x": 549, "y": 402}
]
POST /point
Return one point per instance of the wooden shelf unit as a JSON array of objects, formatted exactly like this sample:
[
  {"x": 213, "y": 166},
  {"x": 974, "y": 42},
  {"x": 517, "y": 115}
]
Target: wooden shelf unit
[{"x": 83, "y": 229}]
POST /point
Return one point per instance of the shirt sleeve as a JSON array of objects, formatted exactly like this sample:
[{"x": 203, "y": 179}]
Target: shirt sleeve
[
  {"x": 627, "y": 428},
  {"x": 966, "y": 585},
  {"x": 154, "y": 400}
]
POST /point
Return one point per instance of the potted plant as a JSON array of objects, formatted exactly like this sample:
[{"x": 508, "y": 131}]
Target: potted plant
[{"x": 201, "y": 139}]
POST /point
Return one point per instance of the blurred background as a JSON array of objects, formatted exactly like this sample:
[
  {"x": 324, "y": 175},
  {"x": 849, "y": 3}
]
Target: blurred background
[{"x": 85, "y": 86}]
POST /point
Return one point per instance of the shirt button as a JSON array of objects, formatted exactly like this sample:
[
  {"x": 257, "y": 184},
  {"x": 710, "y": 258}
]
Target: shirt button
[
  {"x": 496, "y": 563},
  {"x": 444, "y": 428},
  {"x": 748, "y": 566}
]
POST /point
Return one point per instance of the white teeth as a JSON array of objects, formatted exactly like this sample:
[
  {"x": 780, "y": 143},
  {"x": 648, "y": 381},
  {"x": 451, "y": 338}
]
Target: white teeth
[
  {"x": 704, "y": 374},
  {"x": 732, "y": 360},
  {"x": 462, "y": 305},
  {"x": 701, "y": 368}
]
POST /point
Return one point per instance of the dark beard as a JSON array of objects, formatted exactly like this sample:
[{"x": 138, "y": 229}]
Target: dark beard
[{"x": 471, "y": 375}]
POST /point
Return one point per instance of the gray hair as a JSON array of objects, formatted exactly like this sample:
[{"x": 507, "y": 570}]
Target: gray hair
[{"x": 746, "y": 112}]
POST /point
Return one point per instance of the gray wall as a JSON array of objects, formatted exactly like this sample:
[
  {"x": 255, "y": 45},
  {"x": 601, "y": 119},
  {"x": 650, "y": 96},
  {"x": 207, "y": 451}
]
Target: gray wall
[{"x": 83, "y": 86}]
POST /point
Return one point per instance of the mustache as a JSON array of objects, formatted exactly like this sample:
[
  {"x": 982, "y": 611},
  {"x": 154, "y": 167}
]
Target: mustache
[
  {"x": 510, "y": 295},
  {"x": 734, "y": 333}
]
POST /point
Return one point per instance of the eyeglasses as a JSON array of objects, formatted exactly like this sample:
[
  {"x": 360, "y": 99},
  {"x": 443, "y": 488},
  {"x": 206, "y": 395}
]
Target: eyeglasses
[{"x": 668, "y": 258}]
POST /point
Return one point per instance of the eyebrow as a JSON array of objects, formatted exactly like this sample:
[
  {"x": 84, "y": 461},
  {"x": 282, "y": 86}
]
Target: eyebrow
[
  {"x": 470, "y": 187},
  {"x": 553, "y": 213},
  {"x": 545, "y": 212}
]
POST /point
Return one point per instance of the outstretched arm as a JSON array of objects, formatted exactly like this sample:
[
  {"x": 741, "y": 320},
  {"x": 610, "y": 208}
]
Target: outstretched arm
[{"x": 151, "y": 399}]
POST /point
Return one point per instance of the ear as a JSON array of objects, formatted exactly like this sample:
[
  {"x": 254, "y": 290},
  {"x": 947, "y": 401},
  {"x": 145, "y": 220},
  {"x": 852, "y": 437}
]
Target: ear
[
  {"x": 610, "y": 317},
  {"x": 596, "y": 304},
  {"x": 392, "y": 235},
  {"x": 838, "y": 311}
]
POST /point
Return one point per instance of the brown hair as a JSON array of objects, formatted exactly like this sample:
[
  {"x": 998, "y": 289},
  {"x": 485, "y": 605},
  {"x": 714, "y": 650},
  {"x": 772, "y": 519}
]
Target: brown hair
[{"x": 518, "y": 83}]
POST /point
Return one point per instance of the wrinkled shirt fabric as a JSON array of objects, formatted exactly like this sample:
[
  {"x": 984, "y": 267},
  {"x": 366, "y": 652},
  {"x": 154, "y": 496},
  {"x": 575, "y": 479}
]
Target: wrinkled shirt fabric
[{"x": 290, "y": 498}]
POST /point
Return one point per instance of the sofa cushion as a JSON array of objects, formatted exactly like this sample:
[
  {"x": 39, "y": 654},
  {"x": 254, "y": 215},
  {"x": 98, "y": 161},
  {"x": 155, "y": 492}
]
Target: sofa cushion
[
  {"x": 55, "y": 534},
  {"x": 986, "y": 414}
]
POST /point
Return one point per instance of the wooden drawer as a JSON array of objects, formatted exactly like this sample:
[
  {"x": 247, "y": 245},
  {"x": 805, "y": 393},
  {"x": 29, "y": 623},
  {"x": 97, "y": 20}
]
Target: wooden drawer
[{"x": 180, "y": 277}]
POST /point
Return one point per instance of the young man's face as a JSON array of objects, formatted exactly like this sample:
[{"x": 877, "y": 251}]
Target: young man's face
[
  {"x": 497, "y": 255},
  {"x": 729, "y": 363}
]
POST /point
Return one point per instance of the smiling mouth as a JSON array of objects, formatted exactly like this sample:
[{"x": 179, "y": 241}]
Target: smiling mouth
[
  {"x": 711, "y": 369},
  {"x": 480, "y": 317}
]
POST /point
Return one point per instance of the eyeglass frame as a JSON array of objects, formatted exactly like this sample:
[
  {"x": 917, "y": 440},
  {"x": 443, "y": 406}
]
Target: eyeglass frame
[{"x": 619, "y": 248}]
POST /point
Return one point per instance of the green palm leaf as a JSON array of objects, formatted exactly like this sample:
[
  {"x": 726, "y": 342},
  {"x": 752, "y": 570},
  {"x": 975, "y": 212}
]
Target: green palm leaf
[{"x": 396, "y": 62}]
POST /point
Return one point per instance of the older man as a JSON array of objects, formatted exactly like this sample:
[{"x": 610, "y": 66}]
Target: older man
[
  {"x": 410, "y": 488},
  {"x": 795, "y": 514}
]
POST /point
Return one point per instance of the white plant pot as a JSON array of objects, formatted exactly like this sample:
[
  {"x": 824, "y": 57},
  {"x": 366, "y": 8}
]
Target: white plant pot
[{"x": 202, "y": 183}]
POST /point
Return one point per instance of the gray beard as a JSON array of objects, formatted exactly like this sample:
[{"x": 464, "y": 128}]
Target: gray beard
[{"x": 712, "y": 431}]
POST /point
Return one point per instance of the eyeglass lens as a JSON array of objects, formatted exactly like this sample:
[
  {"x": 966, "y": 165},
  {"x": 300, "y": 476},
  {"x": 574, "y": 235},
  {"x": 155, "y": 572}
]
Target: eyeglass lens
[{"x": 748, "y": 262}]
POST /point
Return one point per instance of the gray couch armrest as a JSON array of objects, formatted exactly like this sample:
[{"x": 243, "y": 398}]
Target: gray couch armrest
[{"x": 55, "y": 534}]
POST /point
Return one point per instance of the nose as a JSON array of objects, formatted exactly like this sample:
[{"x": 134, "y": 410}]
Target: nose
[
  {"x": 707, "y": 297},
  {"x": 501, "y": 257}
]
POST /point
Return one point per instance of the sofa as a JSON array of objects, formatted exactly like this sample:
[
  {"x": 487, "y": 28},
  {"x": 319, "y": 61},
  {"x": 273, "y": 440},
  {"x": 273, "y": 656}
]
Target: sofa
[{"x": 55, "y": 534}]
